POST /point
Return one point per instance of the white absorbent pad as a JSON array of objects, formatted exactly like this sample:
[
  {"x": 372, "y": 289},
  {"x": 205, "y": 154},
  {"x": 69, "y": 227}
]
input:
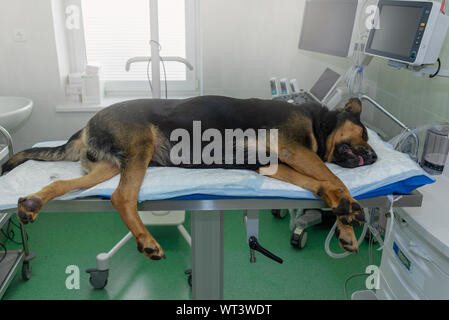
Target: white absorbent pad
[{"x": 166, "y": 183}]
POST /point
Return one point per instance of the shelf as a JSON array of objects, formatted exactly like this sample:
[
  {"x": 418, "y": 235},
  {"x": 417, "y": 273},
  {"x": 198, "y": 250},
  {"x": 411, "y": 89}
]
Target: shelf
[
  {"x": 4, "y": 217},
  {"x": 9, "y": 267}
]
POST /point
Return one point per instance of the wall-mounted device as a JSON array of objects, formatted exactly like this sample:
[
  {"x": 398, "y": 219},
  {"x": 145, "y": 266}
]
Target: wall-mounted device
[
  {"x": 325, "y": 86},
  {"x": 436, "y": 149},
  {"x": 294, "y": 86},
  {"x": 323, "y": 91},
  {"x": 284, "y": 86},
  {"x": 274, "y": 87},
  {"x": 408, "y": 32},
  {"x": 328, "y": 26}
]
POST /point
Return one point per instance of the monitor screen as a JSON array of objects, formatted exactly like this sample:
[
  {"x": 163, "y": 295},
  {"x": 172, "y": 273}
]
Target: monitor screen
[
  {"x": 395, "y": 37},
  {"x": 328, "y": 26},
  {"x": 325, "y": 84},
  {"x": 400, "y": 30}
]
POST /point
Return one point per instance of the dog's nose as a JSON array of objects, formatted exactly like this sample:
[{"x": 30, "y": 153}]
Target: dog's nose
[{"x": 372, "y": 157}]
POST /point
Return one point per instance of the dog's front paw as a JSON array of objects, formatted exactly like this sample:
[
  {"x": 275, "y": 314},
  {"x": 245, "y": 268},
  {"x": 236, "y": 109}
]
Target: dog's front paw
[
  {"x": 28, "y": 209},
  {"x": 150, "y": 248},
  {"x": 346, "y": 237},
  {"x": 350, "y": 212}
]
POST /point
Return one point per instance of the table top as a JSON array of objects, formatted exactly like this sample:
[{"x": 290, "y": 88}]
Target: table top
[{"x": 97, "y": 204}]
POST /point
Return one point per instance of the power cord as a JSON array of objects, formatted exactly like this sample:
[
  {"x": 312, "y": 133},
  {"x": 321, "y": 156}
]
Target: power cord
[
  {"x": 354, "y": 75},
  {"x": 163, "y": 65},
  {"x": 165, "y": 78},
  {"x": 349, "y": 278},
  {"x": 10, "y": 237},
  {"x": 5, "y": 252},
  {"x": 12, "y": 234},
  {"x": 370, "y": 261},
  {"x": 438, "y": 70}
]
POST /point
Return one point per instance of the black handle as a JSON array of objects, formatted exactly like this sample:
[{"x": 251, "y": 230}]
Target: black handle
[{"x": 254, "y": 244}]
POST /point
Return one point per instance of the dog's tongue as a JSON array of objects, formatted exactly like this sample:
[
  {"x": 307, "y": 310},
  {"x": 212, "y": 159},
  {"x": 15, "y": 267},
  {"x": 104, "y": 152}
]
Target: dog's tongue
[{"x": 361, "y": 161}]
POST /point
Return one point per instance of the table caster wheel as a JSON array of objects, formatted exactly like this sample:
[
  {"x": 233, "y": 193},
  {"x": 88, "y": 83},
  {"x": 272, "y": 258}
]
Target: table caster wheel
[
  {"x": 98, "y": 278},
  {"x": 26, "y": 270},
  {"x": 278, "y": 213},
  {"x": 299, "y": 239}
]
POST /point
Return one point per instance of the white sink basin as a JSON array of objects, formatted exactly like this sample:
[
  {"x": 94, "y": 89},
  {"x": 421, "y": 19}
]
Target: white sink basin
[{"x": 14, "y": 111}]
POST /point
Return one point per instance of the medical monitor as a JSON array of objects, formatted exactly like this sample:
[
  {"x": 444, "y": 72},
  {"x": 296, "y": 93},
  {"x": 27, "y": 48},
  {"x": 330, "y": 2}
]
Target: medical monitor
[
  {"x": 328, "y": 26},
  {"x": 411, "y": 32},
  {"x": 325, "y": 85}
]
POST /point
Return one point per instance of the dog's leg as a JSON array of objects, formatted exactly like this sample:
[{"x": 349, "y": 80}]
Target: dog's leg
[
  {"x": 323, "y": 189},
  {"x": 28, "y": 207},
  {"x": 334, "y": 192},
  {"x": 125, "y": 199}
]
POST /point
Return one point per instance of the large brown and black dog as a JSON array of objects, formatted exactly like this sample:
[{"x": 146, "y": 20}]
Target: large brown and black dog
[{"x": 128, "y": 137}]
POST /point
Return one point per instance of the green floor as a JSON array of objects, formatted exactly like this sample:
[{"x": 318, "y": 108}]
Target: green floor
[{"x": 63, "y": 239}]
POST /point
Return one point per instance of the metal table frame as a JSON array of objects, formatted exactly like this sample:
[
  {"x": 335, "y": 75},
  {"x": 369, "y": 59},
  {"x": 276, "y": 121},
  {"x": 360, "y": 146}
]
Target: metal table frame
[
  {"x": 207, "y": 226},
  {"x": 23, "y": 256}
]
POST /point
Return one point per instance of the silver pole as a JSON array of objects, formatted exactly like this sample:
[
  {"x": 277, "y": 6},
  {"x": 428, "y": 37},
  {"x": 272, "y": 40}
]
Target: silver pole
[
  {"x": 207, "y": 255},
  {"x": 155, "y": 66}
]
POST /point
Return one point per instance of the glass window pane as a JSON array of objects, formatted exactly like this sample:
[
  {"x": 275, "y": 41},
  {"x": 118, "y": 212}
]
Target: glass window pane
[{"x": 116, "y": 30}]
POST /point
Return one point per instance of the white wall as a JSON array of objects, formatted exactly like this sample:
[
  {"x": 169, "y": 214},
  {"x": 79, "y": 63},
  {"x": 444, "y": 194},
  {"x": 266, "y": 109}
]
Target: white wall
[
  {"x": 31, "y": 69},
  {"x": 244, "y": 42}
]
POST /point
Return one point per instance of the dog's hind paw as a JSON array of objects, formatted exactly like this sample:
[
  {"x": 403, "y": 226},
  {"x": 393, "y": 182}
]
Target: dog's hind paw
[
  {"x": 28, "y": 209},
  {"x": 151, "y": 249}
]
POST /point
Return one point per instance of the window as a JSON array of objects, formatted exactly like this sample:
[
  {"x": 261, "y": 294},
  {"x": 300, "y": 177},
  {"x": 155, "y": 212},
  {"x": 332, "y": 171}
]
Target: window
[{"x": 116, "y": 30}]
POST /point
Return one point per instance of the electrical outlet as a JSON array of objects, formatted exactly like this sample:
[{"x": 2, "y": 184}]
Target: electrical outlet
[{"x": 19, "y": 35}]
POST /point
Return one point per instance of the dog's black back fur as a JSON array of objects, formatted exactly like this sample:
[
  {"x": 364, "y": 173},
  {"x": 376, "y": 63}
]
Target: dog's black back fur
[{"x": 107, "y": 131}]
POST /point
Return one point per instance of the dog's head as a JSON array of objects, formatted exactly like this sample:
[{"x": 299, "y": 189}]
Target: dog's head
[{"x": 347, "y": 145}]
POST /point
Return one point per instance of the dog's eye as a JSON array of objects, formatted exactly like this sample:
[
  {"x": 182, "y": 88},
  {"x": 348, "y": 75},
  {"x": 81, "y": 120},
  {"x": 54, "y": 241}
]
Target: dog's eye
[{"x": 365, "y": 136}]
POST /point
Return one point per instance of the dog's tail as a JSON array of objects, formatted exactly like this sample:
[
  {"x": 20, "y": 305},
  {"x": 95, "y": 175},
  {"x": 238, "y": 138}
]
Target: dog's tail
[{"x": 67, "y": 152}]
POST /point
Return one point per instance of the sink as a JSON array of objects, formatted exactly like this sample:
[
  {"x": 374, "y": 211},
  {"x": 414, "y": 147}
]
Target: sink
[{"x": 14, "y": 111}]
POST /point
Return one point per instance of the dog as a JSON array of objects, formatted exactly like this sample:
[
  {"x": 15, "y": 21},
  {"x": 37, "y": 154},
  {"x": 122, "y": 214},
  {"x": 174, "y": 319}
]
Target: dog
[{"x": 128, "y": 137}]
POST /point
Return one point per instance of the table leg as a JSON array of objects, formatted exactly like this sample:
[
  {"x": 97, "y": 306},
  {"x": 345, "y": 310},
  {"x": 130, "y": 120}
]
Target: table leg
[{"x": 207, "y": 255}]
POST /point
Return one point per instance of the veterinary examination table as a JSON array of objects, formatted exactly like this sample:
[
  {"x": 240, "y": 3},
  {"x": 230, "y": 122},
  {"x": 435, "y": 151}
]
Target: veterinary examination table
[{"x": 207, "y": 193}]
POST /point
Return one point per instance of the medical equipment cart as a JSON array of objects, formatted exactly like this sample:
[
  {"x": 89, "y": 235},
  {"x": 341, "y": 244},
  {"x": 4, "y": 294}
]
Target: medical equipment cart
[{"x": 10, "y": 261}]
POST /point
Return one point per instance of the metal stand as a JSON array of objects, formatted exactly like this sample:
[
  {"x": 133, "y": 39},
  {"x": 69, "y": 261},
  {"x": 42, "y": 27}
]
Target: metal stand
[
  {"x": 207, "y": 226},
  {"x": 207, "y": 255},
  {"x": 12, "y": 259},
  {"x": 414, "y": 155},
  {"x": 99, "y": 275}
]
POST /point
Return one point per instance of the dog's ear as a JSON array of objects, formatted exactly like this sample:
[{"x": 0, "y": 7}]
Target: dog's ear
[{"x": 354, "y": 106}]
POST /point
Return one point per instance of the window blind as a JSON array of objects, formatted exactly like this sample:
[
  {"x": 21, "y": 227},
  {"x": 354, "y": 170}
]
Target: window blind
[{"x": 116, "y": 30}]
